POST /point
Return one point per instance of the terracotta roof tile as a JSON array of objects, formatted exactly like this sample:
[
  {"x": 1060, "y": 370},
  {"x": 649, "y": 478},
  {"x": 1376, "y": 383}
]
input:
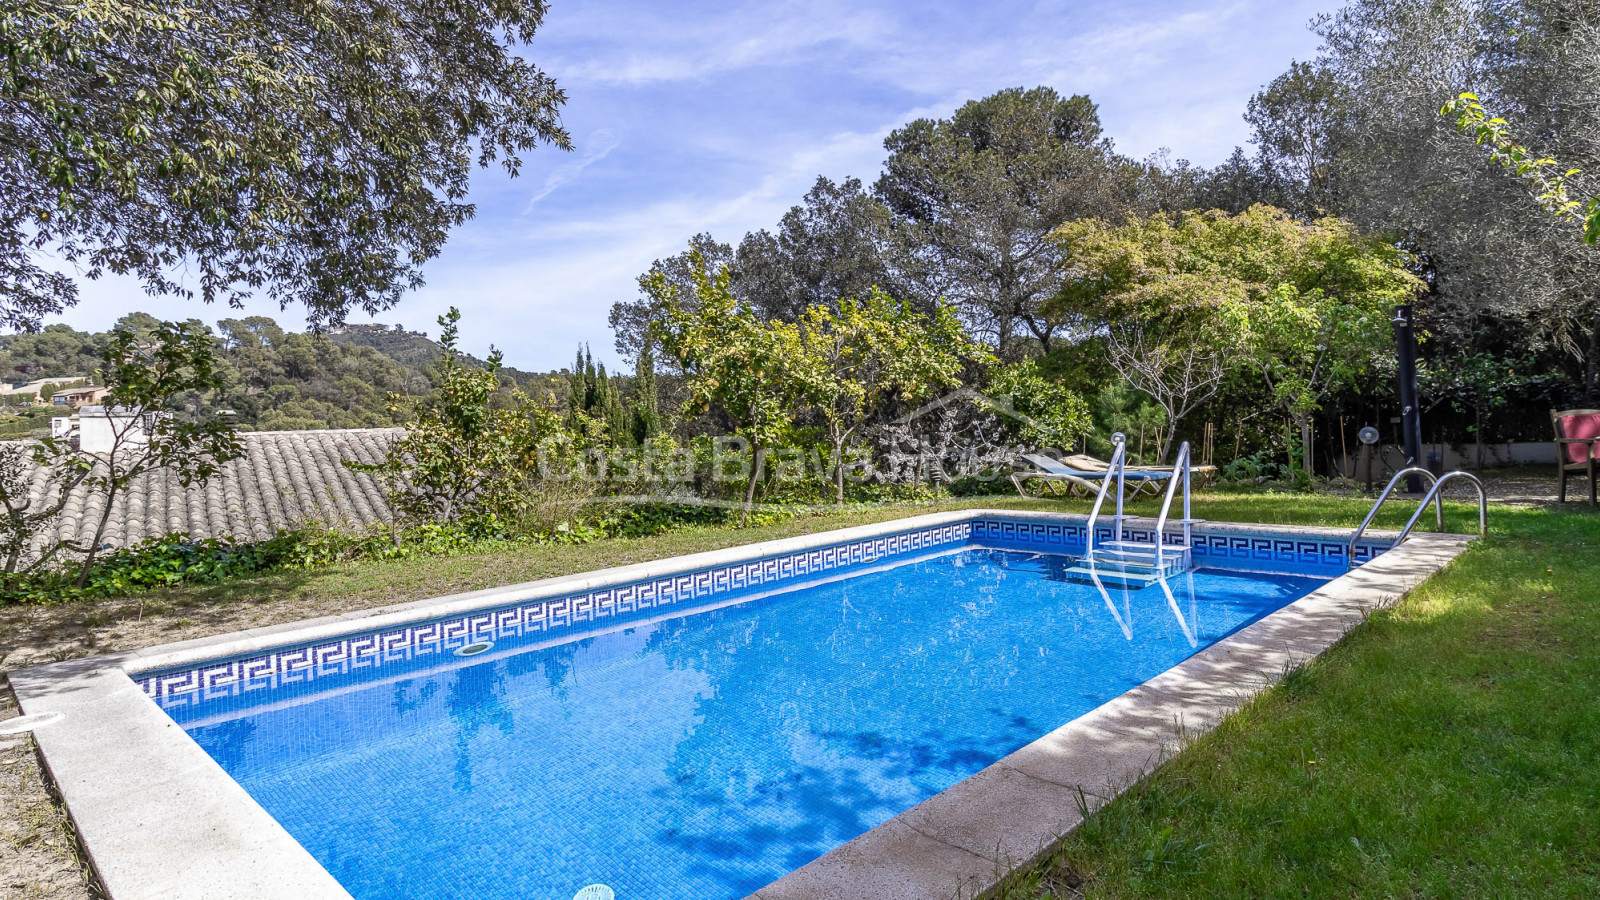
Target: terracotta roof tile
[{"x": 284, "y": 479}]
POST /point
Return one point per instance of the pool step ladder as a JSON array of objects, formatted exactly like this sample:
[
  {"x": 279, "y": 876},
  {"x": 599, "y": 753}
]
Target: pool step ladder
[{"x": 1134, "y": 563}]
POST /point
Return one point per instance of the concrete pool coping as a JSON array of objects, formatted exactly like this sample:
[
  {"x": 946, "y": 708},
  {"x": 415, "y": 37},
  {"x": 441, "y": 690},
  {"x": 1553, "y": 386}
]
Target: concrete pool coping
[{"x": 159, "y": 818}]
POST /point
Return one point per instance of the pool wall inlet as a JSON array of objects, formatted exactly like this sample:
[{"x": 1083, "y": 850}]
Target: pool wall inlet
[{"x": 158, "y": 818}]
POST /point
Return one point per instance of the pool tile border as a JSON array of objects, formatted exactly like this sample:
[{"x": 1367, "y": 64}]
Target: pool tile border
[
  {"x": 438, "y": 638},
  {"x": 304, "y": 666},
  {"x": 158, "y": 818}
]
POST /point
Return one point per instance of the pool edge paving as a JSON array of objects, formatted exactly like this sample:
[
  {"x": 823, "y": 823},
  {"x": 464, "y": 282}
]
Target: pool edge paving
[{"x": 158, "y": 818}]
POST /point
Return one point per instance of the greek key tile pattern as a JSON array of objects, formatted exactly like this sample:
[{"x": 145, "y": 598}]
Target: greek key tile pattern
[
  {"x": 431, "y": 643},
  {"x": 1232, "y": 549},
  {"x": 415, "y": 646}
]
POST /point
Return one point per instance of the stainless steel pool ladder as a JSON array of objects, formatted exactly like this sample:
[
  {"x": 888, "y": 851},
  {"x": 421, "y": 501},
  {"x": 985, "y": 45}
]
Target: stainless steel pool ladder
[
  {"x": 1435, "y": 494},
  {"x": 1138, "y": 560},
  {"x": 1179, "y": 464},
  {"x": 1114, "y": 467}
]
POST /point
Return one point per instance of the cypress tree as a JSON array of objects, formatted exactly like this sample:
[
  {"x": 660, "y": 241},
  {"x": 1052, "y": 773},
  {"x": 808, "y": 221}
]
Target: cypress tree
[
  {"x": 602, "y": 392},
  {"x": 646, "y": 406},
  {"x": 592, "y": 389},
  {"x": 576, "y": 388},
  {"x": 617, "y": 415}
]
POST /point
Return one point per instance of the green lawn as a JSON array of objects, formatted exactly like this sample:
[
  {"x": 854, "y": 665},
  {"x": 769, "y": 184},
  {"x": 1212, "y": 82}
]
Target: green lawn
[{"x": 1449, "y": 747}]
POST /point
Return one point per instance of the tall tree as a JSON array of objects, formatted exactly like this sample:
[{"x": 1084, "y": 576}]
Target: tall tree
[
  {"x": 316, "y": 153},
  {"x": 1493, "y": 253},
  {"x": 835, "y": 244},
  {"x": 1296, "y": 124},
  {"x": 979, "y": 193}
]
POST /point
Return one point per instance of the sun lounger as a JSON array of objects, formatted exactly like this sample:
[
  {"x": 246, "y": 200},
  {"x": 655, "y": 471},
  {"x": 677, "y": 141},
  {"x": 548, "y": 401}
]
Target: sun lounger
[
  {"x": 1052, "y": 474},
  {"x": 1081, "y": 474}
]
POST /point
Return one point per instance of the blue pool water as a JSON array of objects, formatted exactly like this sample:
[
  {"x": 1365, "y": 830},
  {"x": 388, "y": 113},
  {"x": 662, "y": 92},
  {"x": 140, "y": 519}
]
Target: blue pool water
[{"x": 703, "y": 756}]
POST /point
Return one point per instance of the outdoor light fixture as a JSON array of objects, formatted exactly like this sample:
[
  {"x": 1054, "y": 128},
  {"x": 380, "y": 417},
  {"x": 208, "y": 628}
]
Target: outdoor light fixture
[{"x": 1368, "y": 437}]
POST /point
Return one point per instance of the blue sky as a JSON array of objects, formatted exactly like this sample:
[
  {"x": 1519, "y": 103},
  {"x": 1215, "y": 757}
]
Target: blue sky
[{"x": 699, "y": 116}]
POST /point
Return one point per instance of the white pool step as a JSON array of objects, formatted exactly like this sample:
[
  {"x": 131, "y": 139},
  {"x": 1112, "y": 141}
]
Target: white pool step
[{"x": 1131, "y": 563}]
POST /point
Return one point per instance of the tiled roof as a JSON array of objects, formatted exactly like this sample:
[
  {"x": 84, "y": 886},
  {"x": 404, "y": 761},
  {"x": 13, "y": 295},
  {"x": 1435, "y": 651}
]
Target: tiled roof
[{"x": 284, "y": 479}]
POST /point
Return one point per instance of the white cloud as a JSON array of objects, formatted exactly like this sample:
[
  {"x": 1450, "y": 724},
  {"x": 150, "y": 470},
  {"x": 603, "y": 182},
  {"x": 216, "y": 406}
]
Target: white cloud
[
  {"x": 671, "y": 42},
  {"x": 597, "y": 147}
]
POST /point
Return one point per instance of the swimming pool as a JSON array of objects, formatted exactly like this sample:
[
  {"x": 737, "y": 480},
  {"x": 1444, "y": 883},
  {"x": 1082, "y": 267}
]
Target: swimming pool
[
  {"x": 694, "y": 724},
  {"x": 744, "y": 723}
]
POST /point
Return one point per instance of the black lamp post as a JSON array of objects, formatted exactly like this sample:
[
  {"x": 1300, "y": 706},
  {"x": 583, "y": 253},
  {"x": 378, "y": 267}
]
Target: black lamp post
[{"x": 1411, "y": 411}]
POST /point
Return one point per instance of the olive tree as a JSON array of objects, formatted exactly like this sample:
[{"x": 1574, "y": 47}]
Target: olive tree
[
  {"x": 149, "y": 376},
  {"x": 1492, "y": 253}
]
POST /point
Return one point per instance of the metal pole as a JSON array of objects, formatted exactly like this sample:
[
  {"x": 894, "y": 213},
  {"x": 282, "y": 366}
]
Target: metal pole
[{"x": 1411, "y": 411}]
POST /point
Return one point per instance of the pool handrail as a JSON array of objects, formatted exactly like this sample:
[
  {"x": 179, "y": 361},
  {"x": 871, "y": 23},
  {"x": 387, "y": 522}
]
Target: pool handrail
[
  {"x": 1350, "y": 550},
  {"x": 1115, "y": 466},
  {"x": 1433, "y": 480},
  {"x": 1182, "y": 461},
  {"x": 1438, "y": 490}
]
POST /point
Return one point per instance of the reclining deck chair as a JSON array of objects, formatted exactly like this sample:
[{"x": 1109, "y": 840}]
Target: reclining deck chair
[{"x": 1081, "y": 473}]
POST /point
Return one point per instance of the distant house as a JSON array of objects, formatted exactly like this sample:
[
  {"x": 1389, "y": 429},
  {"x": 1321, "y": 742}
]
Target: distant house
[
  {"x": 99, "y": 426},
  {"x": 79, "y": 396}
]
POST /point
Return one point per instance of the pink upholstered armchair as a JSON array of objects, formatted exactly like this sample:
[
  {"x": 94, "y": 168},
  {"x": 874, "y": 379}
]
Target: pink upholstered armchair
[{"x": 1577, "y": 446}]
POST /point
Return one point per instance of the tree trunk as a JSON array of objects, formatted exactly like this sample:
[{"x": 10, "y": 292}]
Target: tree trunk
[
  {"x": 1591, "y": 368},
  {"x": 838, "y": 471},
  {"x": 15, "y": 553},
  {"x": 1003, "y": 331},
  {"x": 99, "y": 532},
  {"x": 750, "y": 486},
  {"x": 1306, "y": 450},
  {"x": 1168, "y": 437}
]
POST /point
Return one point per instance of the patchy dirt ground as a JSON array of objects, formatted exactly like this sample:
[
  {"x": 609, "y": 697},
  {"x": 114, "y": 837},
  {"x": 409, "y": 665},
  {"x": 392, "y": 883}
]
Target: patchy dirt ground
[
  {"x": 38, "y": 853},
  {"x": 1522, "y": 486}
]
